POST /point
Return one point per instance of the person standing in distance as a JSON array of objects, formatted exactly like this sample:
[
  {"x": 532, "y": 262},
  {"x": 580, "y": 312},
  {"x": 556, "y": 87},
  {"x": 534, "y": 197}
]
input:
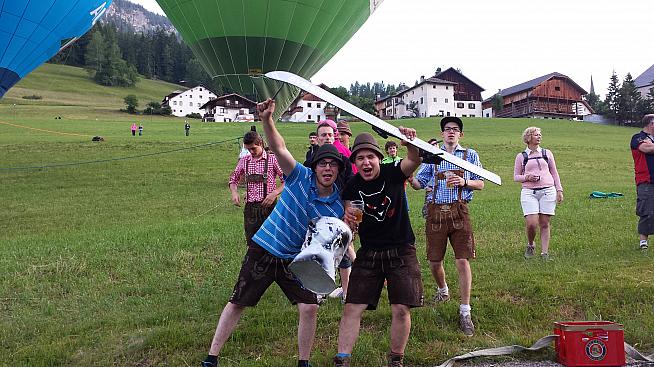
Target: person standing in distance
[{"x": 642, "y": 151}]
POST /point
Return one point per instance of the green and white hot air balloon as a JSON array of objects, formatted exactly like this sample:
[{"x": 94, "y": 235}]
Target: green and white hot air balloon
[{"x": 238, "y": 40}]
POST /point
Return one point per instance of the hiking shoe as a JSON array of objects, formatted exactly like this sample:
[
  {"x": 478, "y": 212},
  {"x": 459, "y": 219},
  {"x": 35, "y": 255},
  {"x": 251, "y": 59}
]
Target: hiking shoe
[
  {"x": 209, "y": 364},
  {"x": 466, "y": 325},
  {"x": 342, "y": 361},
  {"x": 441, "y": 297},
  {"x": 338, "y": 292},
  {"x": 529, "y": 252},
  {"x": 395, "y": 360},
  {"x": 643, "y": 245},
  {"x": 545, "y": 257}
]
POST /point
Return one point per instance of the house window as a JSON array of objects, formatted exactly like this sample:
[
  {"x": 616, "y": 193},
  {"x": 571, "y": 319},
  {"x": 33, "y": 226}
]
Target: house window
[
  {"x": 421, "y": 102},
  {"x": 228, "y": 102},
  {"x": 435, "y": 99},
  {"x": 308, "y": 104},
  {"x": 471, "y": 106},
  {"x": 199, "y": 105},
  {"x": 200, "y": 96},
  {"x": 309, "y": 117},
  {"x": 318, "y": 105},
  {"x": 448, "y": 113},
  {"x": 433, "y": 87},
  {"x": 200, "y": 91},
  {"x": 174, "y": 103},
  {"x": 473, "y": 116},
  {"x": 190, "y": 96},
  {"x": 446, "y": 101},
  {"x": 557, "y": 88},
  {"x": 459, "y": 105},
  {"x": 447, "y": 87},
  {"x": 190, "y": 104},
  {"x": 463, "y": 116}
]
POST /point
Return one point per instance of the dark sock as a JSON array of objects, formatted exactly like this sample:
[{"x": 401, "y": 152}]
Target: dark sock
[
  {"x": 303, "y": 363},
  {"x": 212, "y": 359}
]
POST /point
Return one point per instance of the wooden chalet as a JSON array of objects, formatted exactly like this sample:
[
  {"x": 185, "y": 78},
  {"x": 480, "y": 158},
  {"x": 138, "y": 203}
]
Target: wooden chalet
[
  {"x": 550, "y": 96},
  {"x": 228, "y": 108},
  {"x": 464, "y": 89}
]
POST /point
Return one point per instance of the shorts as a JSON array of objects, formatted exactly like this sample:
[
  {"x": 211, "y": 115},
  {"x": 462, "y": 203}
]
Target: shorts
[
  {"x": 398, "y": 266},
  {"x": 645, "y": 208},
  {"x": 345, "y": 263},
  {"x": 538, "y": 201},
  {"x": 258, "y": 271},
  {"x": 449, "y": 221},
  {"x": 254, "y": 214}
]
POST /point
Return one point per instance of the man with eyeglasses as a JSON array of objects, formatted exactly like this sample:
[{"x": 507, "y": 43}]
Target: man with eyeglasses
[
  {"x": 308, "y": 193},
  {"x": 448, "y": 217}
]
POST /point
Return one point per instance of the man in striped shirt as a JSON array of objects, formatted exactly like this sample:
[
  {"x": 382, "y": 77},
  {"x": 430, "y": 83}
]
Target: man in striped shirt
[
  {"x": 308, "y": 193},
  {"x": 448, "y": 217}
]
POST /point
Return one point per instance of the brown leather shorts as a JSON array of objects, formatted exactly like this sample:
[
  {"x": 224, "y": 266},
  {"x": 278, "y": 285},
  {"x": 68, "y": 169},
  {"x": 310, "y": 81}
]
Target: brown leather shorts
[
  {"x": 449, "y": 221},
  {"x": 254, "y": 215},
  {"x": 258, "y": 271},
  {"x": 399, "y": 266}
]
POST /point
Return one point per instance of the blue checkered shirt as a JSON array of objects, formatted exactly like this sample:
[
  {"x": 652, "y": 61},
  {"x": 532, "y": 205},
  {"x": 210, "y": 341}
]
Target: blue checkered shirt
[{"x": 444, "y": 195}]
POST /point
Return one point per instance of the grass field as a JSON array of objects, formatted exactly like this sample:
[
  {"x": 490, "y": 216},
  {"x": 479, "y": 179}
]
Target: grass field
[{"x": 124, "y": 252}]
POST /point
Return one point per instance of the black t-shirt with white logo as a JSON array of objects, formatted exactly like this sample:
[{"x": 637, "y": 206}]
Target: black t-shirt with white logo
[{"x": 386, "y": 217}]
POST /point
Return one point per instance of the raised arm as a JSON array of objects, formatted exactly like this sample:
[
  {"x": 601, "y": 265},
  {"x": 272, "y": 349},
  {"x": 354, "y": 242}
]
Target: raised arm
[
  {"x": 412, "y": 160},
  {"x": 274, "y": 138}
]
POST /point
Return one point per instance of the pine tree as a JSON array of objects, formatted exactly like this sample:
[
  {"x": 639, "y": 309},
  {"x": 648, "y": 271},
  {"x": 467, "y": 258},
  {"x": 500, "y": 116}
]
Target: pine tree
[
  {"x": 628, "y": 101},
  {"x": 613, "y": 97}
]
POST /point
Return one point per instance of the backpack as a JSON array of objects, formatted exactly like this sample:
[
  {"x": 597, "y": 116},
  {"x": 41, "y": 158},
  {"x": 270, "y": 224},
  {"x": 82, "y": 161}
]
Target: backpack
[{"x": 525, "y": 158}]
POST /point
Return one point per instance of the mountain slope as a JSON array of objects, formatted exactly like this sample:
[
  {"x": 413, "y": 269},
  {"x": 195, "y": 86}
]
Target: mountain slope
[{"x": 71, "y": 86}]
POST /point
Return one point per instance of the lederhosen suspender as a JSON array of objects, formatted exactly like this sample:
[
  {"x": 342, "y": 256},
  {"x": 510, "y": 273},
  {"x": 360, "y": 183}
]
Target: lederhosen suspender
[{"x": 255, "y": 178}]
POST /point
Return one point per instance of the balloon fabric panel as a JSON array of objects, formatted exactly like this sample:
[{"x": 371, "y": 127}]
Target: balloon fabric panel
[{"x": 32, "y": 31}]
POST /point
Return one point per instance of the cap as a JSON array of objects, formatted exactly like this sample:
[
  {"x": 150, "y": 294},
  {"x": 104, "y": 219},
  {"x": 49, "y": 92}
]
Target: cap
[
  {"x": 328, "y": 122},
  {"x": 327, "y": 151},
  {"x": 365, "y": 141},
  {"x": 447, "y": 119}
]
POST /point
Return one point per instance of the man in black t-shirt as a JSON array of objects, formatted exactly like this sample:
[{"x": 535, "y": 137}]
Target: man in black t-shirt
[{"x": 387, "y": 250}]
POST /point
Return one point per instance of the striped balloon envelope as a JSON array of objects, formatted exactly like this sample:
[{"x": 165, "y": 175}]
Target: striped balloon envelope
[
  {"x": 32, "y": 31},
  {"x": 237, "y": 41}
]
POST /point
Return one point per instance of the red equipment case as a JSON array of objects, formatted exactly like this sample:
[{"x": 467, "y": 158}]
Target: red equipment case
[{"x": 589, "y": 343}]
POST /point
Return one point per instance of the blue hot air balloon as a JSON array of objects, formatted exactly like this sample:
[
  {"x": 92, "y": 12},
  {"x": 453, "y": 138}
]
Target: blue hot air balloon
[{"x": 32, "y": 31}]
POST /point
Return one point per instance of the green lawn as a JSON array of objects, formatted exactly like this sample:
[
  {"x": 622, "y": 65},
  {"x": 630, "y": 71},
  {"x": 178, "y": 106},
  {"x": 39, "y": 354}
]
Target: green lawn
[{"x": 124, "y": 256}]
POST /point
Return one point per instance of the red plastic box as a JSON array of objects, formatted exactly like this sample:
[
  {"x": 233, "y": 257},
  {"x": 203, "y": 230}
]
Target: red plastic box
[{"x": 590, "y": 343}]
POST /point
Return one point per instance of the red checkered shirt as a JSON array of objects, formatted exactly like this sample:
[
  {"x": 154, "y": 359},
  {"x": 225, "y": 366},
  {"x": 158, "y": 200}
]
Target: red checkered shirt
[{"x": 254, "y": 191}]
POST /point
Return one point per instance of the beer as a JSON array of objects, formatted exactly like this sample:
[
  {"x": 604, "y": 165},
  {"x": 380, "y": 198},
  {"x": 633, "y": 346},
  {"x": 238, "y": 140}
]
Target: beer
[
  {"x": 358, "y": 213},
  {"x": 449, "y": 174}
]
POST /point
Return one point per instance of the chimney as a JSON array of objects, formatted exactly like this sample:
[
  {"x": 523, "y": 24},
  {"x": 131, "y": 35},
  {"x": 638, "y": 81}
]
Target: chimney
[{"x": 422, "y": 78}]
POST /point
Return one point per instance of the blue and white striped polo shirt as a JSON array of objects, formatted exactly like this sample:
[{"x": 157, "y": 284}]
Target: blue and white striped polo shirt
[
  {"x": 283, "y": 232},
  {"x": 445, "y": 195}
]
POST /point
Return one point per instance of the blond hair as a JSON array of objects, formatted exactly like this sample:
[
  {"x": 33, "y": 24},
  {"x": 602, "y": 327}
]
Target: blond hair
[{"x": 528, "y": 133}]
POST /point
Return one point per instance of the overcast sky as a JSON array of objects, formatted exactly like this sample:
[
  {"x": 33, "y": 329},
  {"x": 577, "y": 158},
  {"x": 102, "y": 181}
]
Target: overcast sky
[{"x": 495, "y": 43}]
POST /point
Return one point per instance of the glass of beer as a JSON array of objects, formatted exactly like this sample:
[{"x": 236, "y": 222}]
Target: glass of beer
[
  {"x": 357, "y": 208},
  {"x": 448, "y": 174}
]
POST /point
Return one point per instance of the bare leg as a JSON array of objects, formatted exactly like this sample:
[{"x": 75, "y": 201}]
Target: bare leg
[
  {"x": 349, "y": 329},
  {"x": 544, "y": 223},
  {"x": 531, "y": 222},
  {"x": 400, "y": 327},
  {"x": 465, "y": 280},
  {"x": 226, "y": 325},
  {"x": 345, "y": 278},
  {"x": 306, "y": 331},
  {"x": 438, "y": 272}
]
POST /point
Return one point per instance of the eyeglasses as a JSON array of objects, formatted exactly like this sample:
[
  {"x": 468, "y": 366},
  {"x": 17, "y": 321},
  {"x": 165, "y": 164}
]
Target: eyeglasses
[
  {"x": 452, "y": 129},
  {"x": 323, "y": 164}
]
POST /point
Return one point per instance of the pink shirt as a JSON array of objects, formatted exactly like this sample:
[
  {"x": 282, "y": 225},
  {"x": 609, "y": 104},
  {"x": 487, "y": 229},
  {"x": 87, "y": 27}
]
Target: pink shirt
[
  {"x": 346, "y": 153},
  {"x": 549, "y": 176},
  {"x": 254, "y": 191}
]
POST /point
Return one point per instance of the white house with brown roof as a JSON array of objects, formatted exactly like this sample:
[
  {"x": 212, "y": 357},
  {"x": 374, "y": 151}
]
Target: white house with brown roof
[
  {"x": 183, "y": 103},
  {"x": 448, "y": 93},
  {"x": 229, "y": 108},
  {"x": 309, "y": 108}
]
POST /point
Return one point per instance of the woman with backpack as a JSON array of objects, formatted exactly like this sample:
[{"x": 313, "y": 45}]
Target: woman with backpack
[{"x": 535, "y": 168}]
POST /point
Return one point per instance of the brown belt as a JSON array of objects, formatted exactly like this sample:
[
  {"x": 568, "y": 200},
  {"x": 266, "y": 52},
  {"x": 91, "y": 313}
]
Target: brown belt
[{"x": 449, "y": 206}]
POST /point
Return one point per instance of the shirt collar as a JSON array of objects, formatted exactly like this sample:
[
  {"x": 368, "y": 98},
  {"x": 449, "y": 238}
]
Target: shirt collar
[
  {"x": 529, "y": 151},
  {"x": 442, "y": 147},
  {"x": 264, "y": 155}
]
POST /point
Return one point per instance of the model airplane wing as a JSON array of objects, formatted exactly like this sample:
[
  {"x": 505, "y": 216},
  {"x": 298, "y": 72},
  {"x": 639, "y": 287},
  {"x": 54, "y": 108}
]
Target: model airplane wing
[{"x": 380, "y": 126}]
